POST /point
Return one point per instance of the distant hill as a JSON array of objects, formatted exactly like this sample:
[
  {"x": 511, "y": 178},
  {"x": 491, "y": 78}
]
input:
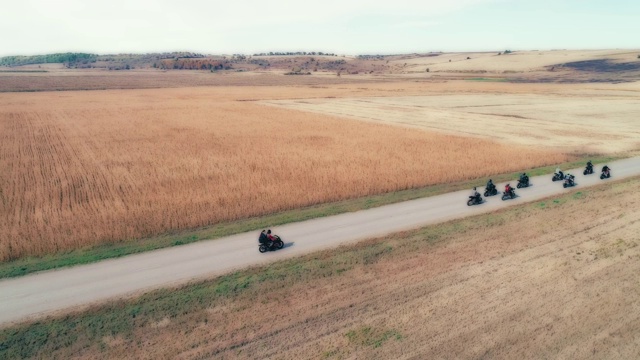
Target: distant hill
[{"x": 85, "y": 60}]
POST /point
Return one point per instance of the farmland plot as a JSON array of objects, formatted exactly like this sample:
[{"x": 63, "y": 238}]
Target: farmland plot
[
  {"x": 86, "y": 168},
  {"x": 604, "y": 124}
]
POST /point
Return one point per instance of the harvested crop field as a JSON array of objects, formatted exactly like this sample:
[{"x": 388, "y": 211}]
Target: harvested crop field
[
  {"x": 603, "y": 122},
  {"x": 552, "y": 279},
  {"x": 25, "y": 81},
  {"x": 86, "y": 168}
]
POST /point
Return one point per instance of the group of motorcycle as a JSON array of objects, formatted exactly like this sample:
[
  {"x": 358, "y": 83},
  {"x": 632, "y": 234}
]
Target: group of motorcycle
[
  {"x": 491, "y": 190},
  {"x": 269, "y": 242},
  {"x": 569, "y": 180},
  {"x": 523, "y": 182}
]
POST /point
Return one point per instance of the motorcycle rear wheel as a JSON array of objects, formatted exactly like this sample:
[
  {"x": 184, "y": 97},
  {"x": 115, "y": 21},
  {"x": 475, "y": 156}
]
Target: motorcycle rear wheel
[{"x": 262, "y": 248}]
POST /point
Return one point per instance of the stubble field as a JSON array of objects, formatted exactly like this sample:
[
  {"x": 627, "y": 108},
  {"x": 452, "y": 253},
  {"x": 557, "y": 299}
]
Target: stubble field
[
  {"x": 66, "y": 80},
  {"x": 86, "y": 168},
  {"x": 568, "y": 119}
]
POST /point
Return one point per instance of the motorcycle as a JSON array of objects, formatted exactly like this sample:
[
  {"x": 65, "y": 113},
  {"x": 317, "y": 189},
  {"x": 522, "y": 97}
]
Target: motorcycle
[
  {"x": 474, "y": 200},
  {"x": 588, "y": 170},
  {"x": 568, "y": 182},
  {"x": 508, "y": 195},
  {"x": 606, "y": 173},
  {"x": 558, "y": 176},
  {"x": 523, "y": 184},
  {"x": 268, "y": 245},
  {"x": 490, "y": 192}
]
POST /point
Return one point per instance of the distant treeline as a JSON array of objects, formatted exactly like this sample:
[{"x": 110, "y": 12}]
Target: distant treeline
[
  {"x": 299, "y": 53},
  {"x": 194, "y": 64},
  {"x": 47, "y": 59}
]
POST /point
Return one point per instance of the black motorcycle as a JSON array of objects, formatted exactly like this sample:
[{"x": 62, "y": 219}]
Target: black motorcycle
[
  {"x": 606, "y": 173},
  {"x": 474, "y": 200},
  {"x": 569, "y": 182},
  {"x": 558, "y": 176},
  {"x": 490, "y": 192},
  {"x": 268, "y": 245},
  {"x": 523, "y": 183},
  {"x": 588, "y": 170},
  {"x": 508, "y": 195}
]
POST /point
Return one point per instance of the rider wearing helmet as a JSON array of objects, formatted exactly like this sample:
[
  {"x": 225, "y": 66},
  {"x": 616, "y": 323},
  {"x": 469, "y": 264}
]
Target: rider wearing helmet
[
  {"x": 263, "y": 237},
  {"x": 508, "y": 189},
  {"x": 570, "y": 178},
  {"x": 524, "y": 179},
  {"x": 490, "y": 185},
  {"x": 474, "y": 193}
]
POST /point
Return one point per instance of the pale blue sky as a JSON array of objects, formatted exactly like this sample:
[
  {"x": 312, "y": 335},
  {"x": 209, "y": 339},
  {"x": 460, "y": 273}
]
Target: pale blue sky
[{"x": 340, "y": 26}]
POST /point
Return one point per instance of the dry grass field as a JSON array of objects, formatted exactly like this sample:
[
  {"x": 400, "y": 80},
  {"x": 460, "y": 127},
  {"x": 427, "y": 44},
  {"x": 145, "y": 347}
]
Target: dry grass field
[
  {"x": 65, "y": 80},
  {"x": 553, "y": 279},
  {"x": 592, "y": 118},
  {"x": 85, "y": 168},
  {"x": 519, "y": 61}
]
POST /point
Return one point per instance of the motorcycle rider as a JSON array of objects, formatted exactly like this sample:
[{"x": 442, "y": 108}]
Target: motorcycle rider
[
  {"x": 605, "y": 169},
  {"x": 589, "y": 166},
  {"x": 474, "y": 194},
  {"x": 570, "y": 178},
  {"x": 559, "y": 173},
  {"x": 490, "y": 185},
  {"x": 271, "y": 237},
  {"x": 263, "y": 237},
  {"x": 508, "y": 189},
  {"x": 524, "y": 179}
]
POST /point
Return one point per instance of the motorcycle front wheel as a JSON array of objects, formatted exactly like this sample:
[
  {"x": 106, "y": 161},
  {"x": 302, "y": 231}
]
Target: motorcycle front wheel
[{"x": 279, "y": 244}]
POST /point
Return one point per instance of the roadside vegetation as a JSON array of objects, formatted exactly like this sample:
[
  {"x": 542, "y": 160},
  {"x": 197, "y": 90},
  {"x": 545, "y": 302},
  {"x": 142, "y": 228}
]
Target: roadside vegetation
[{"x": 552, "y": 269}]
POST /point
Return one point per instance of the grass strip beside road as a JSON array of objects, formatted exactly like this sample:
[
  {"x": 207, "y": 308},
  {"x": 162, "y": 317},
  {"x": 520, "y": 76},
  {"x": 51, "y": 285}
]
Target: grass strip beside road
[
  {"x": 88, "y": 255},
  {"x": 91, "y": 331}
]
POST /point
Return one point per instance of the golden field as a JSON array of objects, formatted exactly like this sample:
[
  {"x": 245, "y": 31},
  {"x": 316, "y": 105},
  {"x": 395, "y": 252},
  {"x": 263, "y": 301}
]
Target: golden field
[{"x": 85, "y": 168}]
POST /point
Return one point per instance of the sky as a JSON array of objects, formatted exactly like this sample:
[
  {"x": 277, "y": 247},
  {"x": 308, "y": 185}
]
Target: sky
[{"x": 349, "y": 27}]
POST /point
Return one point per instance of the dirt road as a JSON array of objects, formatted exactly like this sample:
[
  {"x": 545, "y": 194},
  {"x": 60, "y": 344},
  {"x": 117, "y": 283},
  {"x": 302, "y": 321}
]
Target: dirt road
[{"x": 39, "y": 294}]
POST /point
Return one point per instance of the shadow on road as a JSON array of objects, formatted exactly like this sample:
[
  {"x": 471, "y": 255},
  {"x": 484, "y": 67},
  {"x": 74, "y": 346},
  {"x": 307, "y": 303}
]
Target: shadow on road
[{"x": 286, "y": 245}]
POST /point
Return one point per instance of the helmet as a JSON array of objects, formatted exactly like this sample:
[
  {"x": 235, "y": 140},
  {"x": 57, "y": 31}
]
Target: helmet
[
  {"x": 474, "y": 188},
  {"x": 524, "y": 174},
  {"x": 490, "y": 180},
  {"x": 269, "y": 231}
]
